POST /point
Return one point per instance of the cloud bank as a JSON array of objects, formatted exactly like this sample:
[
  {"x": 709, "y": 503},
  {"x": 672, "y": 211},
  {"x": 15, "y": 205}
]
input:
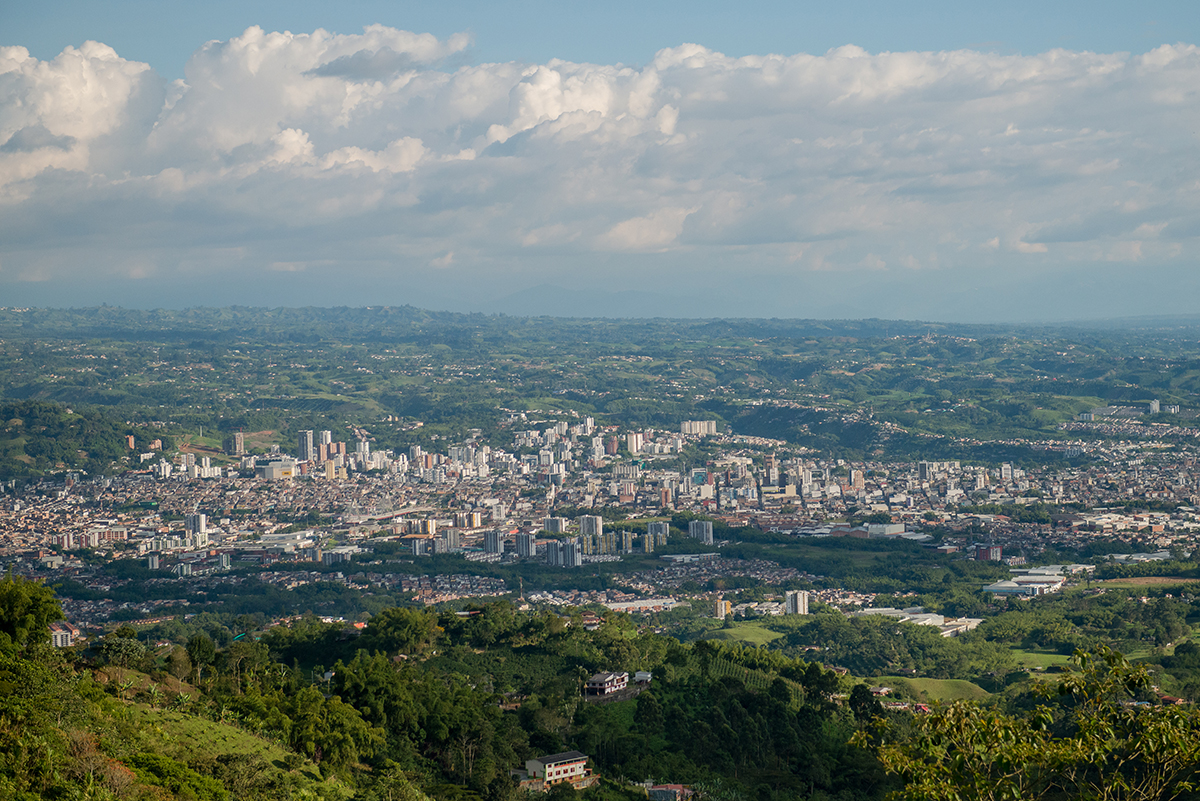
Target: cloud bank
[{"x": 375, "y": 167}]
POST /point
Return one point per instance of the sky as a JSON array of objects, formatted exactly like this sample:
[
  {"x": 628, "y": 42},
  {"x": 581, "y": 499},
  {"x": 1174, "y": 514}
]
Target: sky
[{"x": 923, "y": 160}]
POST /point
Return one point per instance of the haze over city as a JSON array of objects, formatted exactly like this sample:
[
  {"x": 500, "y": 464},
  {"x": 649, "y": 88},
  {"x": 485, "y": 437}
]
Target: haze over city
[{"x": 955, "y": 162}]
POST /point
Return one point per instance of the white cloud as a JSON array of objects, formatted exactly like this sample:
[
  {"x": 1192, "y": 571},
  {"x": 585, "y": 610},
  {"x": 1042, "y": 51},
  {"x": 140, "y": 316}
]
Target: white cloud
[
  {"x": 366, "y": 150},
  {"x": 655, "y": 231}
]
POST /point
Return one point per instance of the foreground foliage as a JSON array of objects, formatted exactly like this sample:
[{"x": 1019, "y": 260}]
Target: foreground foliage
[{"x": 1094, "y": 736}]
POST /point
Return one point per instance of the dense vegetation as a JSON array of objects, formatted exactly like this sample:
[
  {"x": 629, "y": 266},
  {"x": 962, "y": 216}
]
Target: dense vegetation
[{"x": 417, "y": 703}]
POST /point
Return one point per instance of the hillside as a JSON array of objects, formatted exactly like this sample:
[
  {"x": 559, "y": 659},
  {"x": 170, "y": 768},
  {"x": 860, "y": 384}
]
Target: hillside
[{"x": 38, "y": 437}]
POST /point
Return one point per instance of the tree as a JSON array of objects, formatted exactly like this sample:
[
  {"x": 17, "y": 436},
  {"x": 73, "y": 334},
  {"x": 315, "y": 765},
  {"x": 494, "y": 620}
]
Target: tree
[
  {"x": 179, "y": 664},
  {"x": 202, "y": 651},
  {"x": 1093, "y": 744},
  {"x": 121, "y": 651},
  {"x": 328, "y": 731},
  {"x": 27, "y": 608},
  {"x": 863, "y": 703},
  {"x": 400, "y": 629}
]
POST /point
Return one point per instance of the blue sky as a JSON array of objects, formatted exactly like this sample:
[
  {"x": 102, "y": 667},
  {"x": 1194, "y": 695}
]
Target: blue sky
[
  {"x": 165, "y": 33},
  {"x": 955, "y": 161}
]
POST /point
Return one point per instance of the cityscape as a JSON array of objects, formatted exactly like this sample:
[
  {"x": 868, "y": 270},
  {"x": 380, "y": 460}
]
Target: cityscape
[{"x": 599, "y": 402}]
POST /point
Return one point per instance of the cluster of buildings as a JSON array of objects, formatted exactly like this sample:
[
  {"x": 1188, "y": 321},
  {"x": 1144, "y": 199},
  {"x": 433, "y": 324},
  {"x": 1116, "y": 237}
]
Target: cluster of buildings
[
  {"x": 949, "y": 627},
  {"x": 490, "y": 504}
]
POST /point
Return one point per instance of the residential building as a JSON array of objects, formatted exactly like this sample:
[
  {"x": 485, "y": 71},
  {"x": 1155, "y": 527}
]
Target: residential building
[
  {"x": 304, "y": 448},
  {"x": 606, "y": 683},
  {"x": 797, "y": 602},
  {"x": 701, "y": 530}
]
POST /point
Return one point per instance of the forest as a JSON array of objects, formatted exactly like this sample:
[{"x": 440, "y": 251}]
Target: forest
[{"x": 421, "y": 704}]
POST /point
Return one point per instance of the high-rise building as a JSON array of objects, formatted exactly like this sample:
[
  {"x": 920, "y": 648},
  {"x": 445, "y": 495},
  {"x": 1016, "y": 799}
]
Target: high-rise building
[
  {"x": 591, "y": 525},
  {"x": 195, "y": 523},
  {"x": 304, "y": 450},
  {"x": 555, "y": 525},
  {"x": 797, "y": 602},
  {"x": 493, "y": 541},
  {"x": 635, "y": 441},
  {"x": 1006, "y": 472},
  {"x": 572, "y": 554},
  {"x": 326, "y": 437},
  {"x": 626, "y": 542},
  {"x": 235, "y": 444},
  {"x": 1154, "y": 406},
  {"x": 564, "y": 553},
  {"x": 701, "y": 427},
  {"x": 721, "y": 609},
  {"x": 701, "y": 530},
  {"x": 657, "y": 534},
  {"x": 526, "y": 545},
  {"x": 924, "y": 472}
]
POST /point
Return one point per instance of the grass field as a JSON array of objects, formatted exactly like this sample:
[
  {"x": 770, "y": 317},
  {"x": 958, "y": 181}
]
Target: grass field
[
  {"x": 1038, "y": 659},
  {"x": 753, "y": 633},
  {"x": 186, "y": 737},
  {"x": 1143, "y": 582},
  {"x": 935, "y": 689}
]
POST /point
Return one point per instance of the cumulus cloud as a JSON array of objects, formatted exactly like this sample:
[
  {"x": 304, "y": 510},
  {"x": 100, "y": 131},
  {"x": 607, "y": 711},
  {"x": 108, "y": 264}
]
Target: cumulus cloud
[{"x": 373, "y": 153}]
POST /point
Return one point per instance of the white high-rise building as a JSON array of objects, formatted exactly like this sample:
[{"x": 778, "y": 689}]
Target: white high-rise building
[
  {"x": 326, "y": 437},
  {"x": 797, "y": 602},
  {"x": 304, "y": 449},
  {"x": 635, "y": 441},
  {"x": 526, "y": 545},
  {"x": 591, "y": 525},
  {"x": 701, "y": 530}
]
